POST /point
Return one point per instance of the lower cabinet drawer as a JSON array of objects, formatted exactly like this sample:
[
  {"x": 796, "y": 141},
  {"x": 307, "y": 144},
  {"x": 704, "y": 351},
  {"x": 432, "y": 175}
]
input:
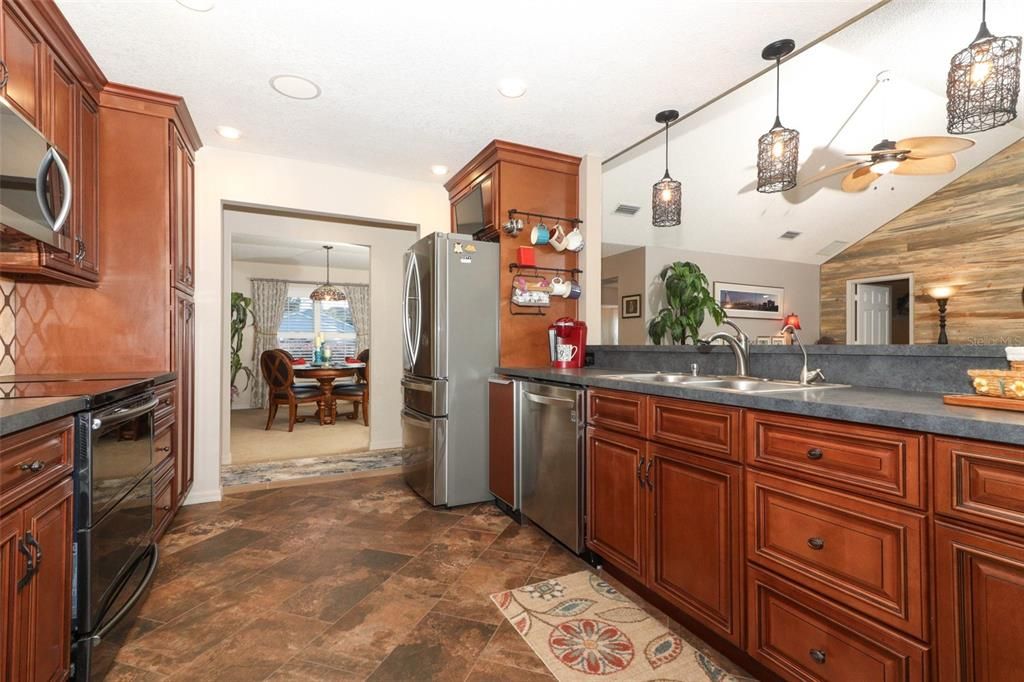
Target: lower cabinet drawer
[
  {"x": 163, "y": 502},
  {"x": 619, "y": 411},
  {"x": 804, "y": 637},
  {"x": 34, "y": 459},
  {"x": 980, "y": 483},
  {"x": 868, "y": 556}
]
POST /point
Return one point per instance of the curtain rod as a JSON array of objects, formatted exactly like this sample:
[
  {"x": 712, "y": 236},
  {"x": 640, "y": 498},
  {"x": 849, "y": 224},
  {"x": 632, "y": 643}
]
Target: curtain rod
[{"x": 298, "y": 281}]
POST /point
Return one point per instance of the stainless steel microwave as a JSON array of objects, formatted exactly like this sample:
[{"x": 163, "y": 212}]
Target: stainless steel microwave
[{"x": 35, "y": 185}]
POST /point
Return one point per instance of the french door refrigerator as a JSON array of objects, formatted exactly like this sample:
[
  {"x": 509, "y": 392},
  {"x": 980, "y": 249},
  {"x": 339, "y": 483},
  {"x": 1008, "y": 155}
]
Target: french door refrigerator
[{"x": 450, "y": 339}]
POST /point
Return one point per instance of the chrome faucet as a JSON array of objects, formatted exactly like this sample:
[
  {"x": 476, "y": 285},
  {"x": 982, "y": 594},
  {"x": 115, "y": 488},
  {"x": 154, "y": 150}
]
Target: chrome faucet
[
  {"x": 740, "y": 344},
  {"x": 807, "y": 377}
]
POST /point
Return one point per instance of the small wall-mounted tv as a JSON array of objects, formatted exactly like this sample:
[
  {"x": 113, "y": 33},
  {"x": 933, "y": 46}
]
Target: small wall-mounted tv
[{"x": 473, "y": 212}]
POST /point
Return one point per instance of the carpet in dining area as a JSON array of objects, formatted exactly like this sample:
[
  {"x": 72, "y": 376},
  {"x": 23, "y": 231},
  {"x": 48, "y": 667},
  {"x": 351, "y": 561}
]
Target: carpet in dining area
[
  {"x": 582, "y": 628},
  {"x": 252, "y": 443}
]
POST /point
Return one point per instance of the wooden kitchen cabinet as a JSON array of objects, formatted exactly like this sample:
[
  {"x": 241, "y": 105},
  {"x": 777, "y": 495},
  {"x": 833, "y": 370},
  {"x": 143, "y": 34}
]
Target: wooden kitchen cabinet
[
  {"x": 695, "y": 502},
  {"x": 980, "y": 602},
  {"x": 24, "y": 53},
  {"x": 184, "y": 365},
  {"x": 616, "y": 499},
  {"x": 182, "y": 176},
  {"x": 501, "y": 455}
]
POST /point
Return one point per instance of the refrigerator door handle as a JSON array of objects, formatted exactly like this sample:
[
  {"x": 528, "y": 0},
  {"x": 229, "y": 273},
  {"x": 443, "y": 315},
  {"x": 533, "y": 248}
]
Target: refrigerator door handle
[{"x": 412, "y": 293}]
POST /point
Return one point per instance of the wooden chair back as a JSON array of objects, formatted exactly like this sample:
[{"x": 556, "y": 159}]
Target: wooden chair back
[
  {"x": 277, "y": 371},
  {"x": 364, "y": 372}
]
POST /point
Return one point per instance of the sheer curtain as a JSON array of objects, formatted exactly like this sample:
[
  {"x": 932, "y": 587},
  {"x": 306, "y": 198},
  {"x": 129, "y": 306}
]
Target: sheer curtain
[
  {"x": 359, "y": 307},
  {"x": 269, "y": 297}
]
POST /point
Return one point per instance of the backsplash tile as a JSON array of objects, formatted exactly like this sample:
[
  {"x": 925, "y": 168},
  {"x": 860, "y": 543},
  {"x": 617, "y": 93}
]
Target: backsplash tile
[{"x": 7, "y": 322}]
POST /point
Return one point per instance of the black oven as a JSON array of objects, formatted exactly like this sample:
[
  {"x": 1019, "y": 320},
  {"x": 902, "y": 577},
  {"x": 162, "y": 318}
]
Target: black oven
[{"x": 115, "y": 554}]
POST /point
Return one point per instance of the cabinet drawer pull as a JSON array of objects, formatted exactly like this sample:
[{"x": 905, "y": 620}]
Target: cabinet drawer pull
[
  {"x": 34, "y": 467},
  {"x": 647, "y": 474},
  {"x": 816, "y": 543},
  {"x": 817, "y": 655},
  {"x": 639, "y": 471},
  {"x": 30, "y": 566},
  {"x": 815, "y": 453}
]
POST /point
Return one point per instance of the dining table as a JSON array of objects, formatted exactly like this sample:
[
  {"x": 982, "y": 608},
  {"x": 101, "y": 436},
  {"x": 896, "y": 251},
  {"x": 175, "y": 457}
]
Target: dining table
[{"x": 326, "y": 375}]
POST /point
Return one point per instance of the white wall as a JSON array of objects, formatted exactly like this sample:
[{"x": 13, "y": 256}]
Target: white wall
[
  {"x": 229, "y": 177},
  {"x": 800, "y": 280},
  {"x": 242, "y": 272}
]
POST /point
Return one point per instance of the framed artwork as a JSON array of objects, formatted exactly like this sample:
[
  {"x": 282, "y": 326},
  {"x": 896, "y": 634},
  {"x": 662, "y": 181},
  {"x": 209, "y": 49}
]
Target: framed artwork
[
  {"x": 763, "y": 341},
  {"x": 778, "y": 340},
  {"x": 747, "y": 300},
  {"x": 631, "y": 306}
]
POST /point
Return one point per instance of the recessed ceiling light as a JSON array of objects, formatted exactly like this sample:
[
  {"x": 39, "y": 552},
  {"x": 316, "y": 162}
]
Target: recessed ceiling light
[
  {"x": 295, "y": 87},
  {"x": 512, "y": 87},
  {"x": 197, "y": 5},
  {"x": 439, "y": 170},
  {"x": 229, "y": 132}
]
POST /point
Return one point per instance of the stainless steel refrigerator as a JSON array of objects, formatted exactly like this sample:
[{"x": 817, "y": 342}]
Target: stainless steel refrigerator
[{"x": 450, "y": 336}]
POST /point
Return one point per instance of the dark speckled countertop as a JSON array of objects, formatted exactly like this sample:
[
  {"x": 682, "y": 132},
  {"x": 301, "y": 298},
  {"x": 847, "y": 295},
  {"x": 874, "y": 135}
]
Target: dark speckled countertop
[
  {"x": 909, "y": 410},
  {"x": 23, "y": 413}
]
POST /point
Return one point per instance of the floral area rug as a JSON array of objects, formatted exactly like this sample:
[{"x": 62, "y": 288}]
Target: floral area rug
[{"x": 583, "y": 628}]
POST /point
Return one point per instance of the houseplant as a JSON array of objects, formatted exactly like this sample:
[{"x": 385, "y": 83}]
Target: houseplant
[
  {"x": 688, "y": 301},
  {"x": 241, "y": 313}
]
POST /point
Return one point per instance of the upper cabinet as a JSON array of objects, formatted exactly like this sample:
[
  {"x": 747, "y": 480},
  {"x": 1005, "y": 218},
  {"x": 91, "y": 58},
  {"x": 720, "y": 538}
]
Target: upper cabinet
[
  {"x": 182, "y": 176},
  {"x": 54, "y": 84}
]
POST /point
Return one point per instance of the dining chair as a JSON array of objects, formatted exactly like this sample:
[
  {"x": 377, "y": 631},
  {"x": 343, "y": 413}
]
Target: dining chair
[
  {"x": 280, "y": 377},
  {"x": 359, "y": 392}
]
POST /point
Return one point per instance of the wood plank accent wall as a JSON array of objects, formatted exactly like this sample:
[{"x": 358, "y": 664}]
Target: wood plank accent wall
[
  {"x": 527, "y": 179},
  {"x": 969, "y": 234}
]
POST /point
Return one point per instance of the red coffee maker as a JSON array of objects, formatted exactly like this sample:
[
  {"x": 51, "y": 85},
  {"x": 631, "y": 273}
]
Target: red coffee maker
[{"x": 567, "y": 343}]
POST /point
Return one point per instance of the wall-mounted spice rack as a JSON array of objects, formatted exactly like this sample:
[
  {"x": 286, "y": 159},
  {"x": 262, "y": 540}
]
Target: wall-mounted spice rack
[{"x": 529, "y": 214}]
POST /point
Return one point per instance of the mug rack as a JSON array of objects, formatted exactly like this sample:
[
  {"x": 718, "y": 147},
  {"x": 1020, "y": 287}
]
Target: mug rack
[
  {"x": 528, "y": 214},
  {"x": 535, "y": 271}
]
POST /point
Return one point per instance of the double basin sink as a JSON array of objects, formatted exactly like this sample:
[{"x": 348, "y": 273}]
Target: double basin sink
[{"x": 729, "y": 384}]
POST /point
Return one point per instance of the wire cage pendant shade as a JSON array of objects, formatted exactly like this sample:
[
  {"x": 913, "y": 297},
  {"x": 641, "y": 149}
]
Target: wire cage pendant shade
[
  {"x": 327, "y": 291},
  {"x": 983, "y": 85},
  {"x": 667, "y": 194},
  {"x": 778, "y": 150}
]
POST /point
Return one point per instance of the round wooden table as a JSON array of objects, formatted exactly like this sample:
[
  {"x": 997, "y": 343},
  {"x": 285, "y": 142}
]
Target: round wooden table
[{"x": 325, "y": 376}]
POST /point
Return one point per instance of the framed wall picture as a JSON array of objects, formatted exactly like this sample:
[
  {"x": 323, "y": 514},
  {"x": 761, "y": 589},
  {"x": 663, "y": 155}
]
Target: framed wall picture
[
  {"x": 631, "y": 306},
  {"x": 748, "y": 300}
]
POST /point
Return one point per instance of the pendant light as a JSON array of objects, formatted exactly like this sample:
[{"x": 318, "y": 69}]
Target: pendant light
[
  {"x": 983, "y": 83},
  {"x": 778, "y": 150},
  {"x": 667, "y": 197},
  {"x": 327, "y": 291}
]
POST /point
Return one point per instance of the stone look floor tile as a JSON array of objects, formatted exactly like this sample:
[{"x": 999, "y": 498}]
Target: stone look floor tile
[
  {"x": 488, "y": 671},
  {"x": 508, "y": 648},
  {"x": 299, "y": 671},
  {"x": 440, "y": 648},
  {"x": 469, "y": 596}
]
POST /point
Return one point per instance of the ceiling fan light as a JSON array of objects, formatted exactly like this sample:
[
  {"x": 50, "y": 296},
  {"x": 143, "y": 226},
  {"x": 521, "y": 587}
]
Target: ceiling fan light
[
  {"x": 983, "y": 84},
  {"x": 885, "y": 166}
]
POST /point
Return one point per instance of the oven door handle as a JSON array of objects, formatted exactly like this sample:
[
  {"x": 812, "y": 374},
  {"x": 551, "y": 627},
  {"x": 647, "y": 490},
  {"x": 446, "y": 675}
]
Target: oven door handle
[
  {"x": 124, "y": 414},
  {"x": 150, "y": 572}
]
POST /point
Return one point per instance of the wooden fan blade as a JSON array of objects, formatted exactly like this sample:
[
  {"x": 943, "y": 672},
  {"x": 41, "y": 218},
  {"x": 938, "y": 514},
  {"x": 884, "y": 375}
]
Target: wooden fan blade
[
  {"x": 834, "y": 171},
  {"x": 898, "y": 150},
  {"x": 925, "y": 147},
  {"x": 859, "y": 180},
  {"x": 933, "y": 165}
]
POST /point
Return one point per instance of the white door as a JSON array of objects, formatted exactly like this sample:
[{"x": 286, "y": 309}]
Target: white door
[{"x": 874, "y": 314}]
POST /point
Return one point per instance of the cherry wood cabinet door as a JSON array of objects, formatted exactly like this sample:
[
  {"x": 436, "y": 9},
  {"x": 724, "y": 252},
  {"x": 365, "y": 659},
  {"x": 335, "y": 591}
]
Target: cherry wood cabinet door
[
  {"x": 12, "y": 568},
  {"x": 694, "y": 519},
  {"x": 23, "y": 52},
  {"x": 980, "y": 603},
  {"x": 616, "y": 499},
  {"x": 45, "y": 608},
  {"x": 184, "y": 364},
  {"x": 181, "y": 175},
  {"x": 61, "y": 128},
  {"x": 87, "y": 188},
  {"x": 501, "y": 472}
]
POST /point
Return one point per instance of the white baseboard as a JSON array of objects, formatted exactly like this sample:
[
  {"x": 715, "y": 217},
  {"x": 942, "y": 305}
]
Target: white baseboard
[{"x": 202, "y": 496}]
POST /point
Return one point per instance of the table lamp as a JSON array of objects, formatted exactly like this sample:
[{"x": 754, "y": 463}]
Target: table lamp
[{"x": 942, "y": 296}]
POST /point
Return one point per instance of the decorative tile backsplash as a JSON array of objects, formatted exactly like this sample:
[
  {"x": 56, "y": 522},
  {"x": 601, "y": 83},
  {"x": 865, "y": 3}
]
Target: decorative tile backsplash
[{"x": 7, "y": 315}]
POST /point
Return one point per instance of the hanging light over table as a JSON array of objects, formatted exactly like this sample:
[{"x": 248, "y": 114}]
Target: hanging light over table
[
  {"x": 983, "y": 83},
  {"x": 778, "y": 150},
  {"x": 667, "y": 199},
  {"x": 327, "y": 291}
]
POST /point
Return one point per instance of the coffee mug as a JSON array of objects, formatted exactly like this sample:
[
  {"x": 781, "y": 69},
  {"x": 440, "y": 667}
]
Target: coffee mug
[
  {"x": 558, "y": 238},
  {"x": 540, "y": 234},
  {"x": 566, "y": 352},
  {"x": 575, "y": 291},
  {"x": 574, "y": 240},
  {"x": 559, "y": 287}
]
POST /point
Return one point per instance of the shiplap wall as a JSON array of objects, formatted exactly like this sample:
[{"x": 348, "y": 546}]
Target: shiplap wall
[{"x": 969, "y": 234}]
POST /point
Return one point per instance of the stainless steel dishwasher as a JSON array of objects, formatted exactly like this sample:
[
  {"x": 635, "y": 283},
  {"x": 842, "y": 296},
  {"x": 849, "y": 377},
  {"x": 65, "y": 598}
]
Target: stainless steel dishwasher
[{"x": 552, "y": 434}]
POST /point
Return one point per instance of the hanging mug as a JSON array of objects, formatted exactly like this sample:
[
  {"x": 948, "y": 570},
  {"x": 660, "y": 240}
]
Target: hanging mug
[
  {"x": 575, "y": 291},
  {"x": 557, "y": 240},
  {"x": 574, "y": 240},
  {"x": 559, "y": 287},
  {"x": 540, "y": 234}
]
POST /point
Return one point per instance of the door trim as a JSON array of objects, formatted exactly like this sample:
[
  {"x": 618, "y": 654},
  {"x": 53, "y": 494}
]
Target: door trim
[{"x": 851, "y": 309}]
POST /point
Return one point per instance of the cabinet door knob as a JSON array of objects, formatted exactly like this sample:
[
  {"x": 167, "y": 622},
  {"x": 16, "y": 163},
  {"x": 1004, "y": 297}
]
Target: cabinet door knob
[
  {"x": 817, "y": 655},
  {"x": 816, "y": 543},
  {"x": 34, "y": 467},
  {"x": 815, "y": 453},
  {"x": 166, "y": 448}
]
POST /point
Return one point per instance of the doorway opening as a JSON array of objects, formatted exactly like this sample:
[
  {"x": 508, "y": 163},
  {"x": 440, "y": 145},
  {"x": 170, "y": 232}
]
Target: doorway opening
[
  {"x": 610, "y": 311},
  {"x": 880, "y": 310}
]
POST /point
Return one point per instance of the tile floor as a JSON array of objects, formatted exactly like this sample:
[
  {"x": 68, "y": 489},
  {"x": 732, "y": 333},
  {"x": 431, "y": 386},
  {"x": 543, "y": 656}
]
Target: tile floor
[{"x": 347, "y": 580}]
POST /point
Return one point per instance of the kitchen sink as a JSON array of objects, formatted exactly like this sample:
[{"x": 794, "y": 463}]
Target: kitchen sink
[
  {"x": 665, "y": 378},
  {"x": 731, "y": 384}
]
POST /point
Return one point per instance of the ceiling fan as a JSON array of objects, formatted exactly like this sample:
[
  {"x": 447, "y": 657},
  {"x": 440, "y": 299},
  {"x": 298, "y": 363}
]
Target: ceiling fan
[{"x": 909, "y": 156}]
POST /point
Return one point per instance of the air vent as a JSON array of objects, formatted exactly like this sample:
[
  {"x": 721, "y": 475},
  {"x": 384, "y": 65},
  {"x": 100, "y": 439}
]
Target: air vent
[
  {"x": 833, "y": 248},
  {"x": 626, "y": 209},
  {"x": 790, "y": 234}
]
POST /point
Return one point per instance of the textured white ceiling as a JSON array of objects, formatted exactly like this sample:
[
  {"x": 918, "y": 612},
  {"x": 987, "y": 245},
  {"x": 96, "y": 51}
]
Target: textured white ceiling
[
  {"x": 408, "y": 83},
  {"x": 258, "y": 249},
  {"x": 714, "y": 152}
]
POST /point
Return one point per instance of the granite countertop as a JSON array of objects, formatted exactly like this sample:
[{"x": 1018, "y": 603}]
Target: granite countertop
[
  {"x": 909, "y": 410},
  {"x": 23, "y": 413}
]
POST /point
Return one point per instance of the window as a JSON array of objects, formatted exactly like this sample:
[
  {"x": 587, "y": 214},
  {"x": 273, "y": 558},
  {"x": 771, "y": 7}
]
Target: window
[{"x": 304, "y": 318}]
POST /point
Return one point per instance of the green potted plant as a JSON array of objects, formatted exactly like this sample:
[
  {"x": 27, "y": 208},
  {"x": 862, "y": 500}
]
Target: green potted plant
[
  {"x": 688, "y": 301},
  {"x": 241, "y": 313}
]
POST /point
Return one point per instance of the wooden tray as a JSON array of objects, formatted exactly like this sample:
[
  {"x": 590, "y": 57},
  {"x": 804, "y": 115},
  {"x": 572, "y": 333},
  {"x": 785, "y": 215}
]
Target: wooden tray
[{"x": 984, "y": 401}]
